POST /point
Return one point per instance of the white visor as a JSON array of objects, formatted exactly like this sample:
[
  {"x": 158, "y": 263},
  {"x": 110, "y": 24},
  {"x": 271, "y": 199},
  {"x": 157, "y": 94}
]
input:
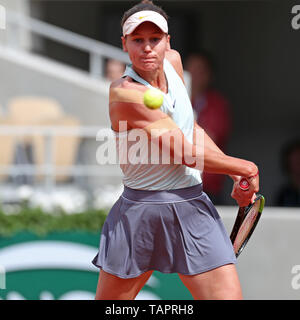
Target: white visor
[{"x": 142, "y": 16}]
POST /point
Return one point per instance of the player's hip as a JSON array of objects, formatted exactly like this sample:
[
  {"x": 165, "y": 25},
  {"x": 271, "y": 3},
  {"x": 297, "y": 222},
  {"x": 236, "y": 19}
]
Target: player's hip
[{"x": 170, "y": 231}]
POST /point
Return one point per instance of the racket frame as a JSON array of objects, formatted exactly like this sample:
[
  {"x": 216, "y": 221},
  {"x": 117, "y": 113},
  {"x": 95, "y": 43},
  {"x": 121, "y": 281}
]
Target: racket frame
[{"x": 241, "y": 216}]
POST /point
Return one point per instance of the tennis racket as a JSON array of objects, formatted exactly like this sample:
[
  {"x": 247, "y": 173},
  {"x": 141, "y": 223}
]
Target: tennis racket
[{"x": 246, "y": 221}]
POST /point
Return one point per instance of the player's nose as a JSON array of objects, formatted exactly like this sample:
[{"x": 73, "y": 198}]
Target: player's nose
[{"x": 147, "y": 47}]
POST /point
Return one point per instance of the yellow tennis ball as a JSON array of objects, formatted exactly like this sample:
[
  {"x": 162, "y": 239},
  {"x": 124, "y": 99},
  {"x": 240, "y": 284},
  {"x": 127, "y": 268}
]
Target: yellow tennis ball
[{"x": 153, "y": 98}]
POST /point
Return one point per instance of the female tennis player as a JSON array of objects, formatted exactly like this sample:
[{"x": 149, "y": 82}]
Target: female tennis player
[{"x": 163, "y": 220}]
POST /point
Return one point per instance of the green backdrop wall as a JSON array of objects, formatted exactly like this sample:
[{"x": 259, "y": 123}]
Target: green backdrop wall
[{"x": 58, "y": 266}]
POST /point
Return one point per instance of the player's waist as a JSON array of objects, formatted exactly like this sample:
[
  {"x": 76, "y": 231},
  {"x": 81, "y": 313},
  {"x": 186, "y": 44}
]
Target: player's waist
[{"x": 181, "y": 194}]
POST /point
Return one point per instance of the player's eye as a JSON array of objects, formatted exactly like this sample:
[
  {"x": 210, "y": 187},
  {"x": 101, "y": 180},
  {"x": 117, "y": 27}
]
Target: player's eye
[
  {"x": 137, "y": 40},
  {"x": 155, "y": 40}
]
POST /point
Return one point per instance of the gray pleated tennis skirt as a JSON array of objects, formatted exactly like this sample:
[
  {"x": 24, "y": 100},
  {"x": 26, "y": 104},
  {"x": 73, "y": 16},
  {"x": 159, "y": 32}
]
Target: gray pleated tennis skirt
[{"x": 171, "y": 231}]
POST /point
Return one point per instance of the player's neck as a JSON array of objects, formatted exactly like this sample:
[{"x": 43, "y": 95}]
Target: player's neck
[{"x": 156, "y": 79}]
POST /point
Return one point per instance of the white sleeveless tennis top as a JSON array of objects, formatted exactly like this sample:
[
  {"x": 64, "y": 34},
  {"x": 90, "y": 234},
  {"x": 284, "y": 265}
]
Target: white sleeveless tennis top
[{"x": 146, "y": 175}]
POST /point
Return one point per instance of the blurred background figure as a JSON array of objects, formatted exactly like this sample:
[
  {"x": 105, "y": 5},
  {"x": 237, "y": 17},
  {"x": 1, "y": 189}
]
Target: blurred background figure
[
  {"x": 114, "y": 69},
  {"x": 212, "y": 113},
  {"x": 289, "y": 193}
]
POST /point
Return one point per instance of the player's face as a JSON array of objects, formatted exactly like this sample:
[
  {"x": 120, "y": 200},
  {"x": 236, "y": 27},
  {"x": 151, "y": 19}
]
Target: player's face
[{"x": 146, "y": 46}]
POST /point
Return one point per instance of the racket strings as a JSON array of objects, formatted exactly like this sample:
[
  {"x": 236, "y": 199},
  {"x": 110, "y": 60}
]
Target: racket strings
[{"x": 246, "y": 226}]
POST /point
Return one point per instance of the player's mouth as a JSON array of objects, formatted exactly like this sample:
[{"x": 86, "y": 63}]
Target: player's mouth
[{"x": 148, "y": 59}]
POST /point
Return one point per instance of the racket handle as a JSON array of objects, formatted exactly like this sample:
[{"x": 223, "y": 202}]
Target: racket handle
[{"x": 244, "y": 184}]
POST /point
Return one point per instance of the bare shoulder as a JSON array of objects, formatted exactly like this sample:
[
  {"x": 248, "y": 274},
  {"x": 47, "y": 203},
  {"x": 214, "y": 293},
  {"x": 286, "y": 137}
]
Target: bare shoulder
[
  {"x": 174, "y": 58},
  {"x": 126, "y": 103},
  {"x": 127, "y": 84},
  {"x": 125, "y": 91},
  {"x": 118, "y": 101},
  {"x": 117, "y": 83}
]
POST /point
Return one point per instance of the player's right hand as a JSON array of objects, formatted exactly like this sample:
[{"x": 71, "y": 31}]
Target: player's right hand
[{"x": 245, "y": 197}]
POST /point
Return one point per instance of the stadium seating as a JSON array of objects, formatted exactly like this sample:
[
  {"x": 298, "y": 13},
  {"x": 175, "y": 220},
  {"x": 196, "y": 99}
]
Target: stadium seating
[{"x": 43, "y": 111}]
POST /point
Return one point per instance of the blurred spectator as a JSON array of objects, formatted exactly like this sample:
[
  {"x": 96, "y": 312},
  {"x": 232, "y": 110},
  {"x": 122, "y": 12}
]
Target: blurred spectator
[
  {"x": 114, "y": 69},
  {"x": 211, "y": 111},
  {"x": 289, "y": 193}
]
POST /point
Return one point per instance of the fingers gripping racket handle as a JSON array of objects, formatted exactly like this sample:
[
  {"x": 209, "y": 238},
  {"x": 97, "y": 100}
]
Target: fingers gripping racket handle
[{"x": 244, "y": 184}]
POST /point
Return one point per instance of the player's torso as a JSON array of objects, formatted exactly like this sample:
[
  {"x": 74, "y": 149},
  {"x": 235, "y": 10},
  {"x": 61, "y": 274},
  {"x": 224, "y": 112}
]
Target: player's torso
[
  {"x": 146, "y": 174},
  {"x": 176, "y": 102}
]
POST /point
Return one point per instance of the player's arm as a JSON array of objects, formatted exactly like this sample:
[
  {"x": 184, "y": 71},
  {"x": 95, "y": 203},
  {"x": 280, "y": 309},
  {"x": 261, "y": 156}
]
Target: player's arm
[
  {"x": 209, "y": 143},
  {"x": 175, "y": 59},
  {"x": 237, "y": 194},
  {"x": 128, "y": 104},
  {"x": 241, "y": 197}
]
